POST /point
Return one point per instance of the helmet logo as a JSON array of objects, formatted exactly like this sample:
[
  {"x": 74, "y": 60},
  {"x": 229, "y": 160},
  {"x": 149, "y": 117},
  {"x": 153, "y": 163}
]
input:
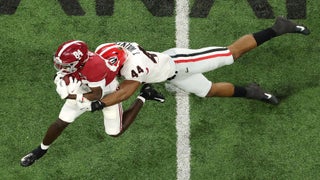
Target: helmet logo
[
  {"x": 113, "y": 60},
  {"x": 112, "y": 63},
  {"x": 78, "y": 54}
]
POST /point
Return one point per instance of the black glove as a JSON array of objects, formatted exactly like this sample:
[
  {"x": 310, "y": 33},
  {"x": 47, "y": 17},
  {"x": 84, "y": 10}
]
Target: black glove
[
  {"x": 148, "y": 93},
  {"x": 97, "y": 105}
]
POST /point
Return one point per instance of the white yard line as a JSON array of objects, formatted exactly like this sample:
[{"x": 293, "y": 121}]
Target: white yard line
[{"x": 182, "y": 98}]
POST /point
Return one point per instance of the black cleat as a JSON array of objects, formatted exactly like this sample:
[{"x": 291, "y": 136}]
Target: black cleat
[
  {"x": 254, "y": 91},
  {"x": 283, "y": 26},
  {"x": 34, "y": 155},
  {"x": 149, "y": 93}
]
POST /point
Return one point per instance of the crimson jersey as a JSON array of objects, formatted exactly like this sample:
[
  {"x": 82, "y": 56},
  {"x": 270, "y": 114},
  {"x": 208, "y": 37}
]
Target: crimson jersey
[{"x": 95, "y": 72}]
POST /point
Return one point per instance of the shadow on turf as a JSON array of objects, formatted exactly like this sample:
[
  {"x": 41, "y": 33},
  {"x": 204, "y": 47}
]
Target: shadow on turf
[{"x": 290, "y": 89}]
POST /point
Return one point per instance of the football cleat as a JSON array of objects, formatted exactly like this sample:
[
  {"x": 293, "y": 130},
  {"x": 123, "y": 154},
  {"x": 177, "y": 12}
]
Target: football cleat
[
  {"x": 254, "y": 91},
  {"x": 283, "y": 26},
  {"x": 34, "y": 155},
  {"x": 149, "y": 93}
]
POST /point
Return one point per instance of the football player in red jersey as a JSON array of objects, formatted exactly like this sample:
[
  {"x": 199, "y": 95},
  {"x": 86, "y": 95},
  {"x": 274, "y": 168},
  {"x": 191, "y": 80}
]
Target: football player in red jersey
[
  {"x": 83, "y": 76},
  {"x": 183, "y": 68}
]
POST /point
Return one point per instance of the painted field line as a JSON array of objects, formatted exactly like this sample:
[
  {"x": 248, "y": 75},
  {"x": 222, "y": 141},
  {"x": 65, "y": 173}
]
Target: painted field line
[{"x": 182, "y": 98}]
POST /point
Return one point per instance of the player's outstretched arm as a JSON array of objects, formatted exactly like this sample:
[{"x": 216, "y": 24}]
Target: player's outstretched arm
[
  {"x": 146, "y": 93},
  {"x": 125, "y": 90}
]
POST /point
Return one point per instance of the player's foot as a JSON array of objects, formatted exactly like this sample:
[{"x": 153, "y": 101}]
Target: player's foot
[
  {"x": 149, "y": 93},
  {"x": 283, "y": 25},
  {"x": 254, "y": 91},
  {"x": 34, "y": 155}
]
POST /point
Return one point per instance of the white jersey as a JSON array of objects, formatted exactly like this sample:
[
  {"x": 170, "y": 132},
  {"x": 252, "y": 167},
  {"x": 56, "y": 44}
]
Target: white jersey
[
  {"x": 182, "y": 67},
  {"x": 146, "y": 66}
]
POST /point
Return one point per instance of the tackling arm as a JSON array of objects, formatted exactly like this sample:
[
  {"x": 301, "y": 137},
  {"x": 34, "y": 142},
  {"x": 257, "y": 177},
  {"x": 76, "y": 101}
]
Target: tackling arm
[{"x": 125, "y": 90}]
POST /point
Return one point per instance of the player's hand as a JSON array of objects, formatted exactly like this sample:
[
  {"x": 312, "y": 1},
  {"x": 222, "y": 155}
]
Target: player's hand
[
  {"x": 73, "y": 85},
  {"x": 58, "y": 77},
  {"x": 62, "y": 89},
  {"x": 148, "y": 93}
]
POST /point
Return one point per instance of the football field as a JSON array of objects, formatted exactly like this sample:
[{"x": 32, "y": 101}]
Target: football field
[{"x": 186, "y": 137}]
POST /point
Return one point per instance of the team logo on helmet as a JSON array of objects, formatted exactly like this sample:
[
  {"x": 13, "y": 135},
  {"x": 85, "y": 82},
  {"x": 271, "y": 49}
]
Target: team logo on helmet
[
  {"x": 113, "y": 60},
  {"x": 113, "y": 54}
]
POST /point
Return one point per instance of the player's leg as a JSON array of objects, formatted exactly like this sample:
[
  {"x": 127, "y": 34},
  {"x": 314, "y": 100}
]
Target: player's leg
[
  {"x": 193, "y": 61},
  {"x": 53, "y": 132},
  {"x": 202, "y": 87},
  {"x": 117, "y": 122},
  {"x": 131, "y": 113},
  {"x": 112, "y": 117},
  {"x": 115, "y": 127},
  {"x": 221, "y": 89},
  {"x": 252, "y": 91},
  {"x": 68, "y": 114},
  {"x": 251, "y": 41}
]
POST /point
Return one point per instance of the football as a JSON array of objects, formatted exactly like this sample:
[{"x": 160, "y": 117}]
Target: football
[{"x": 66, "y": 79}]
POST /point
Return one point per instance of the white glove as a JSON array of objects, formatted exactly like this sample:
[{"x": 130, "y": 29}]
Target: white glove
[
  {"x": 58, "y": 77},
  {"x": 73, "y": 85},
  {"x": 84, "y": 105},
  {"x": 62, "y": 89}
]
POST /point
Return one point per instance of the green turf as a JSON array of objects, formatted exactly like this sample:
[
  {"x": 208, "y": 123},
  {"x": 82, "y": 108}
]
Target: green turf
[{"x": 230, "y": 138}]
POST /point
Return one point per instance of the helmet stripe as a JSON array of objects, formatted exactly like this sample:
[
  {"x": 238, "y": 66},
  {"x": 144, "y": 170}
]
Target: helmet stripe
[
  {"x": 66, "y": 46},
  {"x": 104, "y": 47}
]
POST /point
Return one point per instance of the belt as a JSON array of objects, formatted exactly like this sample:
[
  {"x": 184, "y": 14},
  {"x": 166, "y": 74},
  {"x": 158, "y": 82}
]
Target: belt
[{"x": 172, "y": 77}]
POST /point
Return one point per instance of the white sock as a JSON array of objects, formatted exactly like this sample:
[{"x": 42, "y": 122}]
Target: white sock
[
  {"x": 142, "y": 99},
  {"x": 44, "y": 147}
]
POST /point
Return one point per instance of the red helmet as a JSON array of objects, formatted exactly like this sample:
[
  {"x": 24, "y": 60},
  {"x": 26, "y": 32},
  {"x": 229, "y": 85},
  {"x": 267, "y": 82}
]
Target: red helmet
[
  {"x": 70, "y": 56},
  {"x": 115, "y": 55}
]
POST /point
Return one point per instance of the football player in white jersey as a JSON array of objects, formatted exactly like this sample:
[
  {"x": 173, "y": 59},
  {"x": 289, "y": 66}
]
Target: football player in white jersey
[
  {"x": 184, "y": 67},
  {"x": 82, "y": 76}
]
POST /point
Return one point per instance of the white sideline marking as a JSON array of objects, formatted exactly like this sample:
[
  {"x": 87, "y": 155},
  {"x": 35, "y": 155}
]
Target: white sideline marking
[{"x": 182, "y": 98}]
